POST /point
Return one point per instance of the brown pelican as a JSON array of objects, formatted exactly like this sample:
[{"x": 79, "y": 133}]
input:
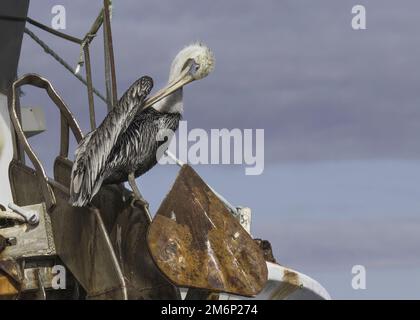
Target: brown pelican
[{"x": 131, "y": 149}]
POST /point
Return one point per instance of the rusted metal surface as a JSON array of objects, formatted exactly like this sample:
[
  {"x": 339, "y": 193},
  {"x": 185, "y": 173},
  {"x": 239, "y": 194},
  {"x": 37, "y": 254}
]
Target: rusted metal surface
[
  {"x": 8, "y": 289},
  {"x": 12, "y": 269},
  {"x": 197, "y": 243},
  {"x": 11, "y": 277},
  {"x": 201, "y": 294},
  {"x": 265, "y": 246}
]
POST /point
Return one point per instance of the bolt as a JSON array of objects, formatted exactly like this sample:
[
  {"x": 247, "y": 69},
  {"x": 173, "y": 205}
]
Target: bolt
[
  {"x": 12, "y": 241},
  {"x": 30, "y": 216}
]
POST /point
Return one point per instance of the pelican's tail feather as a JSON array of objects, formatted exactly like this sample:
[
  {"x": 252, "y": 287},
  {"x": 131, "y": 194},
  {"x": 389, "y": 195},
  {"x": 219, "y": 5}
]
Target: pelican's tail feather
[
  {"x": 79, "y": 197},
  {"x": 82, "y": 186}
]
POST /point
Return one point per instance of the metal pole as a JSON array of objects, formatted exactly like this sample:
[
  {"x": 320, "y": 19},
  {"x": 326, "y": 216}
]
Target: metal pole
[
  {"x": 110, "y": 77},
  {"x": 89, "y": 87}
]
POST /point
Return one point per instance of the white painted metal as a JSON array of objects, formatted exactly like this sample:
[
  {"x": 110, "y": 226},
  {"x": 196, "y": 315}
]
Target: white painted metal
[
  {"x": 286, "y": 284},
  {"x": 6, "y": 153}
]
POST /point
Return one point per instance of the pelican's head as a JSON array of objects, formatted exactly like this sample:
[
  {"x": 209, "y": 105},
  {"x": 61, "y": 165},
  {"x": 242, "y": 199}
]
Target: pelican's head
[{"x": 194, "y": 62}]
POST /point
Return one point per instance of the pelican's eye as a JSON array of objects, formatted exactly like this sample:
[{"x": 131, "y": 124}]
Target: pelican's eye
[
  {"x": 187, "y": 64},
  {"x": 194, "y": 68}
]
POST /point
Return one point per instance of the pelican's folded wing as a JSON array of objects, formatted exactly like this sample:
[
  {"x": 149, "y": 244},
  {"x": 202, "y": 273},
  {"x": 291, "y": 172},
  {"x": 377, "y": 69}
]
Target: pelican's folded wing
[{"x": 90, "y": 166}]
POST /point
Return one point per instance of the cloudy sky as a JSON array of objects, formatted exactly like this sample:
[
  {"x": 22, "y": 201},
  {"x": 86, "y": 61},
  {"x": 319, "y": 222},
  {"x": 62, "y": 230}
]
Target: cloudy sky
[{"x": 340, "y": 110}]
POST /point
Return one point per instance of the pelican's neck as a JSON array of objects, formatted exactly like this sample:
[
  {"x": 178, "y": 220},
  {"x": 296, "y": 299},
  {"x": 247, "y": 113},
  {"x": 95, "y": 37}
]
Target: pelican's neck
[{"x": 171, "y": 104}]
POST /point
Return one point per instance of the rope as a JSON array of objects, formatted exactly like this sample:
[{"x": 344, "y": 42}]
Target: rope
[
  {"x": 42, "y": 26},
  {"x": 90, "y": 35},
  {"x": 51, "y": 52}
]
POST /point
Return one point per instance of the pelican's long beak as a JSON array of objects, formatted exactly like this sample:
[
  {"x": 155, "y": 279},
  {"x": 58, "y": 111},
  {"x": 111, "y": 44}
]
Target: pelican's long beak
[{"x": 182, "y": 80}]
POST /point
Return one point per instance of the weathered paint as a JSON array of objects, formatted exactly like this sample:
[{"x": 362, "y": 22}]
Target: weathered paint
[
  {"x": 196, "y": 242},
  {"x": 287, "y": 284}
]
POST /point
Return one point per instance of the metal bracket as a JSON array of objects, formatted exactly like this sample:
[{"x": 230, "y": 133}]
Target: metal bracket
[{"x": 67, "y": 121}]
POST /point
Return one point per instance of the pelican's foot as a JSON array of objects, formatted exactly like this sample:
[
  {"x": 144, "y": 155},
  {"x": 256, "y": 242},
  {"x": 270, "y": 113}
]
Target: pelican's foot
[{"x": 142, "y": 201}]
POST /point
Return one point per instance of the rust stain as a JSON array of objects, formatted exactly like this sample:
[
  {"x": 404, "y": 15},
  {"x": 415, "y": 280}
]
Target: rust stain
[
  {"x": 291, "y": 283},
  {"x": 291, "y": 277},
  {"x": 7, "y": 288}
]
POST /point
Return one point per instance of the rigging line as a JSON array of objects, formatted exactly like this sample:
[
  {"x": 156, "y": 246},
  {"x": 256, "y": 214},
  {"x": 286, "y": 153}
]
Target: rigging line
[
  {"x": 91, "y": 34},
  {"x": 51, "y": 52},
  {"x": 87, "y": 39},
  {"x": 43, "y": 27},
  {"x": 54, "y": 32}
]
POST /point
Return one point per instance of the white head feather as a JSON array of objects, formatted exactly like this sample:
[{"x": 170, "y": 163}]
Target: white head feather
[{"x": 204, "y": 62}]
